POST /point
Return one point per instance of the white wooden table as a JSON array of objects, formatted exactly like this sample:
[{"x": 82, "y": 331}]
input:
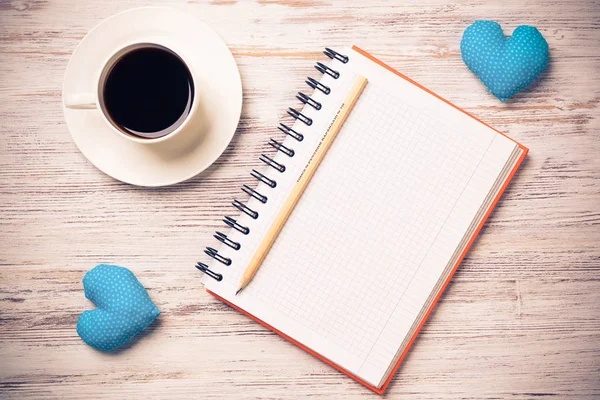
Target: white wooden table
[{"x": 521, "y": 318}]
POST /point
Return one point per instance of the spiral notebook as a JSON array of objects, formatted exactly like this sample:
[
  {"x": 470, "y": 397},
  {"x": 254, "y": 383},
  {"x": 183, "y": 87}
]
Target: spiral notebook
[{"x": 385, "y": 221}]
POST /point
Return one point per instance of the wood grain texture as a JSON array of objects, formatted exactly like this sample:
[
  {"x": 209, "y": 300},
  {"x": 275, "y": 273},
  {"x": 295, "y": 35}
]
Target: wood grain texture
[{"x": 520, "y": 320}]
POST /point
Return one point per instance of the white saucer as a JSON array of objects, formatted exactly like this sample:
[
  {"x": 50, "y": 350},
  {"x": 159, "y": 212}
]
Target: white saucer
[{"x": 216, "y": 78}]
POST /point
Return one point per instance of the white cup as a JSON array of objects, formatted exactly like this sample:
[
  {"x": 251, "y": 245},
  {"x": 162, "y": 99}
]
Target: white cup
[{"x": 95, "y": 99}]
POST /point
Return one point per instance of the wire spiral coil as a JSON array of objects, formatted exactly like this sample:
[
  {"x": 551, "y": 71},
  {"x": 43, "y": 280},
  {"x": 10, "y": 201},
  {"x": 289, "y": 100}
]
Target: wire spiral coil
[{"x": 270, "y": 162}]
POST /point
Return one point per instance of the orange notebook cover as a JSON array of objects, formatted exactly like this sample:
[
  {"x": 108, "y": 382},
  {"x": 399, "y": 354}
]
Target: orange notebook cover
[{"x": 383, "y": 388}]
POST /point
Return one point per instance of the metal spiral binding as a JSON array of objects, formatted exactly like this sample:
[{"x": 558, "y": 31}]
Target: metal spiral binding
[
  {"x": 315, "y": 84},
  {"x": 232, "y": 223},
  {"x": 335, "y": 55},
  {"x": 280, "y": 147},
  {"x": 245, "y": 209},
  {"x": 324, "y": 69},
  {"x": 272, "y": 163},
  {"x": 204, "y": 268},
  {"x": 214, "y": 253},
  {"x": 221, "y": 237},
  {"x": 299, "y": 116},
  {"x": 263, "y": 178},
  {"x": 307, "y": 100},
  {"x": 260, "y": 197},
  {"x": 289, "y": 131}
]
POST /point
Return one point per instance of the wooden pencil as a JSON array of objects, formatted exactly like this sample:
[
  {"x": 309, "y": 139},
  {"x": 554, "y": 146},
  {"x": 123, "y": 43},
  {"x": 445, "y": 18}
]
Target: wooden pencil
[{"x": 296, "y": 193}]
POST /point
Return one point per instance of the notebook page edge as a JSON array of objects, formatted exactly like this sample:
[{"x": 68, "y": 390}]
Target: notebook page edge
[
  {"x": 456, "y": 259},
  {"x": 461, "y": 114},
  {"x": 429, "y": 274}
]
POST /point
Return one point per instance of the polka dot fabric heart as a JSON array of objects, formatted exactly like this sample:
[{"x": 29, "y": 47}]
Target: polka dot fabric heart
[
  {"x": 124, "y": 308},
  {"x": 505, "y": 65}
]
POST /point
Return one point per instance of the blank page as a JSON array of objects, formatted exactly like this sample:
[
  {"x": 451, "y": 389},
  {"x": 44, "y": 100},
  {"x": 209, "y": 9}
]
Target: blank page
[{"x": 376, "y": 227}]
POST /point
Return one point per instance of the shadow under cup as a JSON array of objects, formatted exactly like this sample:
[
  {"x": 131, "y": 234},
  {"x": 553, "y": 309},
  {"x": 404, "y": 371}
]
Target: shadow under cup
[{"x": 147, "y": 91}]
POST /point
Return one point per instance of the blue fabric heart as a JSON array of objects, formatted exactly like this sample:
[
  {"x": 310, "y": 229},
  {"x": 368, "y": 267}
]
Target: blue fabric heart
[
  {"x": 124, "y": 307},
  {"x": 505, "y": 65}
]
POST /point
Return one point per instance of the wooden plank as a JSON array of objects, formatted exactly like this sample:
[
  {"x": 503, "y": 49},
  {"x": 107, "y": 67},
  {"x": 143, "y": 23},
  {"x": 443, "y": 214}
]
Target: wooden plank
[{"x": 521, "y": 318}]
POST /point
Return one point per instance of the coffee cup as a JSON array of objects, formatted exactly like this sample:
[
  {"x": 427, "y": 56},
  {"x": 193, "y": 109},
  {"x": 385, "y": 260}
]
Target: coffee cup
[{"x": 145, "y": 92}]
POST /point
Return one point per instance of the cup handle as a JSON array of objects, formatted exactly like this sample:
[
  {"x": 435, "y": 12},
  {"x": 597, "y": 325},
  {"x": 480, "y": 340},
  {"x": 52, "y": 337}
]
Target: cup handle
[{"x": 81, "y": 101}]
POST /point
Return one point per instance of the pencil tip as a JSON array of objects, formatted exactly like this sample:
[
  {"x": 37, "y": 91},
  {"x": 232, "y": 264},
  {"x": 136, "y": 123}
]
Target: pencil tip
[{"x": 239, "y": 290}]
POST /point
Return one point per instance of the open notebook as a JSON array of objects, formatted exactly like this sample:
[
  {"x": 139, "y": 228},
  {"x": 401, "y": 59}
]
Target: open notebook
[{"x": 381, "y": 227}]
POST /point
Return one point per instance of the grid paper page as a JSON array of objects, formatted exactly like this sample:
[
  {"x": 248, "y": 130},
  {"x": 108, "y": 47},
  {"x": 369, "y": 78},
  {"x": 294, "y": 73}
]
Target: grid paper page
[{"x": 369, "y": 238}]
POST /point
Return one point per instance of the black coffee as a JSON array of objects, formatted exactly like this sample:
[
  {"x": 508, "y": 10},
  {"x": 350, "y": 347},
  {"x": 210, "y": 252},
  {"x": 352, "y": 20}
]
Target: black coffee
[{"x": 148, "y": 92}]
